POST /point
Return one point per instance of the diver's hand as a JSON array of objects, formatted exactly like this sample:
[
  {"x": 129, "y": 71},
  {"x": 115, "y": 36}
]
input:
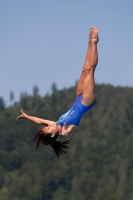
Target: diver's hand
[
  {"x": 23, "y": 115},
  {"x": 64, "y": 130}
]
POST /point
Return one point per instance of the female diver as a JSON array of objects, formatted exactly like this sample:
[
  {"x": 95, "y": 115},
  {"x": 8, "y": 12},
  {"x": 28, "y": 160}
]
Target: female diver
[{"x": 85, "y": 100}]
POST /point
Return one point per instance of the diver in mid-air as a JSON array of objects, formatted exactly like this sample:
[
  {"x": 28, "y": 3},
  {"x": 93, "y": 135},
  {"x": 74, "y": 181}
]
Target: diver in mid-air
[{"x": 85, "y": 100}]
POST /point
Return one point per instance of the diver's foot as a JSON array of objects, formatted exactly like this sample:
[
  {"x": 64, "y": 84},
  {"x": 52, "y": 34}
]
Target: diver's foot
[
  {"x": 90, "y": 35},
  {"x": 95, "y": 37}
]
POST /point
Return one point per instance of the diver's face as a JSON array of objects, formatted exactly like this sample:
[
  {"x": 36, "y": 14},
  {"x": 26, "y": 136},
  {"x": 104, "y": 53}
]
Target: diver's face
[{"x": 49, "y": 129}]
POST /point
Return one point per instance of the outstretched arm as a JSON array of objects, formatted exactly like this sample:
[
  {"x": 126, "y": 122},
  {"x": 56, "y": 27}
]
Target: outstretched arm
[{"x": 35, "y": 119}]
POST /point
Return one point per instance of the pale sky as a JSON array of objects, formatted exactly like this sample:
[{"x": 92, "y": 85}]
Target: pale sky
[{"x": 45, "y": 41}]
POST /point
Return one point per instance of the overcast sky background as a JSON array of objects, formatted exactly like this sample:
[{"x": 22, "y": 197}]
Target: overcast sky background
[{"x": 45, "y": 41}]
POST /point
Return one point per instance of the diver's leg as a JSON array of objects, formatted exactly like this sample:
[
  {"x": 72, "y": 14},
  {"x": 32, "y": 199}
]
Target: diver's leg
[
  {"x": 79, "y": 88},
  {"x": 88, "y": 95}
]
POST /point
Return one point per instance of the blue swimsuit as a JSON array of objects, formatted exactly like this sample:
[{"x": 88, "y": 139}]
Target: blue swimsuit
[{"x": 74, "y": 114}]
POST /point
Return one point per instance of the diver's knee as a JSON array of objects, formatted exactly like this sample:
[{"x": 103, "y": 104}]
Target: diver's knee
[{"x": 89, "y": 70}]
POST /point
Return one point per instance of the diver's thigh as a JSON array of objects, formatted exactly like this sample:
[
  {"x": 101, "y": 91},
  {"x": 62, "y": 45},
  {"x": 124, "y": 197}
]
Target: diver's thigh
[{"x": 88, "y": 95}]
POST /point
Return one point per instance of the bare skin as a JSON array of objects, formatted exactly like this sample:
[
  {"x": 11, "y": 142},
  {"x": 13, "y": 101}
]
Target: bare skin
[
  {"x": 85, "y": 86},
  {"x": 86, "y": 83},
  {"x": 50, "y": 128},
  {"x": 79, "y": 89}
]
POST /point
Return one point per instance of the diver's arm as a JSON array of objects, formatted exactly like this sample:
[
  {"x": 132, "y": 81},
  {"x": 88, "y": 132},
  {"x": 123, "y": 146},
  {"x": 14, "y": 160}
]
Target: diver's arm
[
  {"x": 35, "y": 119},
  {"x": 67, "y": 130}
]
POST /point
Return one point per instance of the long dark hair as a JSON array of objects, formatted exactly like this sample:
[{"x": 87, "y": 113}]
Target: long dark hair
[{"x": 59, "y": 147}]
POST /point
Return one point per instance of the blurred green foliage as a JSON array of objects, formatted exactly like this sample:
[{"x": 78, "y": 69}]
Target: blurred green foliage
[{"x": 99, "y": 162}]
